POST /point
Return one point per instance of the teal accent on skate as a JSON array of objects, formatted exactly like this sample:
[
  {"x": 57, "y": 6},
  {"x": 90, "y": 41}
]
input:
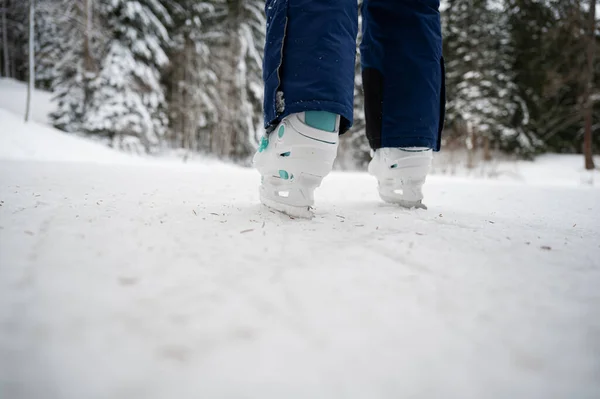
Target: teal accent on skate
[
  {"x": 286, "y": 154},
  {"x": 284, "y": 175},
  {"x": 394, "y": 166},
  {"x": 321, "y": 120},
  {"x": 264, "y": 143},
  {"x": 281, "y": 131}
]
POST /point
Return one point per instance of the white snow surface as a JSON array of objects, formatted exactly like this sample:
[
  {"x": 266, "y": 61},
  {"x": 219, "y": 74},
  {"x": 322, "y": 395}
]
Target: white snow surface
[
  {"x": 134, "y": 279},
  {"x": 13, "y": 97},
  {"x": 23, "y": 141}
]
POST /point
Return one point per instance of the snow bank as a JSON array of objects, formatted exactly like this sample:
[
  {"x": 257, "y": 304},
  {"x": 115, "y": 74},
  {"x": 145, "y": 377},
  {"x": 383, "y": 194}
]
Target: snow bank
[
  {"x": 559, "y": 169},
  {"x": 13, "y": 97},
  {"x": 34, "y": 141},
  {"x": 549, "y": 169}
]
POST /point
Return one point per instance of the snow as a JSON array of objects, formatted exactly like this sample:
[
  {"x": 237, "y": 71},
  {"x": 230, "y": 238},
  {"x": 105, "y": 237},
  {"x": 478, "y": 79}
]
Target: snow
[
  {"x": 549, "y": 169},
  {"x": 20, "y": 140},
  {"x": 124, "y": 278},
  {"x": 557, "y": 169},
  {"x": 13, "y": 97}
]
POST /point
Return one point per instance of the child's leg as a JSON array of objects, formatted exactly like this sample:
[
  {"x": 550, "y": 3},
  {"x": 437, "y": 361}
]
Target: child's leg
[
  {"x": 309, "y": 89},
  {"x": 404, "y": 97},
  {"x": 403, "y": 73},
  {"x": 309, "y": 58}
]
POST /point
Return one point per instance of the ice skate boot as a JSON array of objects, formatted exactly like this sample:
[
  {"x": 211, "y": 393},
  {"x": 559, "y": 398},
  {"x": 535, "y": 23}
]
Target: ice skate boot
[
  {"x": 401, "y": 173},
  {"x": 294, "y": 158}
]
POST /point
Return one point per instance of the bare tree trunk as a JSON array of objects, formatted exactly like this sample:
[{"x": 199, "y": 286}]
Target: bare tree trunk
[
  {"x": 87, "y": 47},
  {"x": 231, "y": 135},
  {"x": 225, "y": 133},
  {"x": 31, "y": 84},
  {"x": 487, "y": 155},
  {"x": 5, "y": 39},
  {"x": 588, "y": 104},
  {"x": 470, "y": 144},
  {"x": 13, "y": 65}
]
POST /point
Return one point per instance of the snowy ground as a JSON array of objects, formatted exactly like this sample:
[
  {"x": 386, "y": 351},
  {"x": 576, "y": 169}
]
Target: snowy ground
[
  {"x": 123, "y": 278},
  {"x": 13, "y": 97}
]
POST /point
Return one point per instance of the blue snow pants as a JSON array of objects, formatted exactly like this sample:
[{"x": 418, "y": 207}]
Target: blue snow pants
[{"x": 309, "y": 65}]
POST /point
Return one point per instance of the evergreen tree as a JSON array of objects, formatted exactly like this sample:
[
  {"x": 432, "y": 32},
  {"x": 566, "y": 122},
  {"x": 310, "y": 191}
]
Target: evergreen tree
[
  {"x": 127, "y": 102},
  {"x": 47, "y": 43},
  {"x": 482, "y": 96},
  {"x": 191, "y": 81},
  {"x": 15, "y": 16},
  {"x": 550, "y": 63},
  {"x": 78, "y": 42},
  {"x": 237, "y": 56}
]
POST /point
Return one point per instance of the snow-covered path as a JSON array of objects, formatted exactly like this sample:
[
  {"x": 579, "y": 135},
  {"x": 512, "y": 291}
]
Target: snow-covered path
[{"x": 170, "y": 281}]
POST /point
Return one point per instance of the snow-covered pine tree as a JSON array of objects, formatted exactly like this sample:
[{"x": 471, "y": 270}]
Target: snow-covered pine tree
[
  {"x": 191, "y": 79},
  {"x": 127, "y": 104},
  {"x": 482, "y": 95},
  {"x": 237, "y": 56},
  {"x": 14, "y": 21},
  {"x": 551, "y": 64},
  {"x": 78, "y": 42},
  {"x": 47, "y": 43}
]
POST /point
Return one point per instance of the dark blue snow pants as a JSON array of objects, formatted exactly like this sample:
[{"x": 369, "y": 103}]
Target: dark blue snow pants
[{"x": 310, "y": 60}]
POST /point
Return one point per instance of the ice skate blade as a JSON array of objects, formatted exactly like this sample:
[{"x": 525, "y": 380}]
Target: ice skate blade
[
  {"x": 302, "y": 212},
  {"x": 403, "y": 203}
]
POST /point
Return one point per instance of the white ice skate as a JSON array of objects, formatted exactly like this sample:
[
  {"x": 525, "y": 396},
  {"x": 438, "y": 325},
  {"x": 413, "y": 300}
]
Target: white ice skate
[
  {"x": 401, "y": 173},
  {"x": 294, "y": 159}
]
